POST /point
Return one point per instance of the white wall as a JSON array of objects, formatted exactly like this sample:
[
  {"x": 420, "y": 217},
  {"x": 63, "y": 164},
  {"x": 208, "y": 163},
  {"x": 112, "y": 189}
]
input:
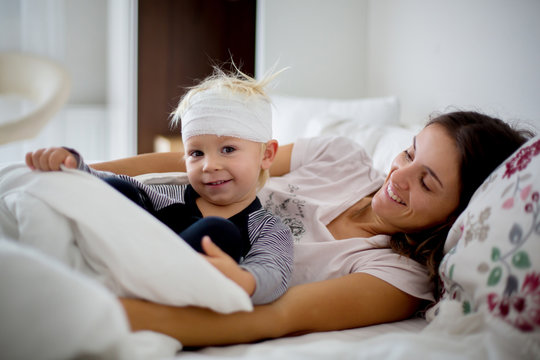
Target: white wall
[
  {"x": 321, "y": 41},
  {"x": 481, "y": 54},
  {"x": 122, "y": 79},
  {"x": 72, "y": 32},
  {"x": 95, "y": 40},
  {"x": 432, "y": 54},
  {"x": 86, "y": 50}
]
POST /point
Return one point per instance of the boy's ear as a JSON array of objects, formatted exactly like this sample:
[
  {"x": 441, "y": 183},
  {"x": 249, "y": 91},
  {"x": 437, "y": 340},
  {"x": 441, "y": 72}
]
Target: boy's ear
[{"x": 269, "y": 154}]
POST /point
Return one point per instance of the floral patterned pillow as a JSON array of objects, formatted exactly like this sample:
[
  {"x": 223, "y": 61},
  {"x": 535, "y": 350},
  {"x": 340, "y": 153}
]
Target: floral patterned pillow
[{"x": 493, "y": 262}]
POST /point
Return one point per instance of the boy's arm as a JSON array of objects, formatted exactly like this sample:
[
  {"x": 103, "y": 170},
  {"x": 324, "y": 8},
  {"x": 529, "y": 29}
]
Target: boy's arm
[
  {"x": 50, "y": 159},
  {"x": 227, "y": 266},
  {"x": 270, "y": 260}
]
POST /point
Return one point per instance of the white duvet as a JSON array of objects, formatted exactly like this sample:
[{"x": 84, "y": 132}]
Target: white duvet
[{"x": 69, "y": 244}]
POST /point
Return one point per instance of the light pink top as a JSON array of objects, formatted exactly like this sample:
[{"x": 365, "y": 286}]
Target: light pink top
[{"x": 327, "y": 176}]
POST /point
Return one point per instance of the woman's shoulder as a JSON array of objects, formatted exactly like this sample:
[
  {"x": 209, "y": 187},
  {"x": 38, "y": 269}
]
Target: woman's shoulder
[
  {"x": 329, "y": 149},
  {"x": 331, "y": 141}
]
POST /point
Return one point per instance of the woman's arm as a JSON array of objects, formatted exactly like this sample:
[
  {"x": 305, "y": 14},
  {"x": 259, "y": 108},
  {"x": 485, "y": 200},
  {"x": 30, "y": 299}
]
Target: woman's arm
[
  {"x": 282, "y": 161},
  {"x": 351, "y": 301},
  {"x": 174, "y": 161},
  {"x": 144, "y": 164}
]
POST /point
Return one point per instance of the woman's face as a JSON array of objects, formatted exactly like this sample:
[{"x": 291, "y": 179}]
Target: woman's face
[{"x": 423, "y": 186}]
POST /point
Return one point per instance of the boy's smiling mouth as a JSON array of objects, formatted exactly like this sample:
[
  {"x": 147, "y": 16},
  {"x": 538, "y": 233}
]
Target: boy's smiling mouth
[{"x": 217, "y": 183}]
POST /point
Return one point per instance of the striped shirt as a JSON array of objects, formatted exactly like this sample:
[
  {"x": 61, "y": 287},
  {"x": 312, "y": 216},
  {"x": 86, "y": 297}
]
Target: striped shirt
[{"x": 270, "y": 259}]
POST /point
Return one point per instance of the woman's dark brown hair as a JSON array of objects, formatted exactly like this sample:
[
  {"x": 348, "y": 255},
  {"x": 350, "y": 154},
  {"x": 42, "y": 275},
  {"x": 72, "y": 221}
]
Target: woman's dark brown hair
[{"x": 484, "y": 143}]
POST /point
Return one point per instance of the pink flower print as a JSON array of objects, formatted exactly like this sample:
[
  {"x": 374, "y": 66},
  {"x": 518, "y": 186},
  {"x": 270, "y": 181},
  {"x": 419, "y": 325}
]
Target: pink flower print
[
  {"x": 531, "y": 283},
  {"x": 508, "y": 204},
  {"x": 530, "y": 207},
  {"x": 522, "y": 309},
  {"x": 520, "y": 161},
  {"x": 525, "y": 192}
]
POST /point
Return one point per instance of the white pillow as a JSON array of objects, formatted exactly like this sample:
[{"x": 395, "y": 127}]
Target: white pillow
[
  {"x": 392, "y": 141},
  {"x": 381, "y": 141},
  {"x": 291, "y": 115},
  {"x": 493, "y": 263}
]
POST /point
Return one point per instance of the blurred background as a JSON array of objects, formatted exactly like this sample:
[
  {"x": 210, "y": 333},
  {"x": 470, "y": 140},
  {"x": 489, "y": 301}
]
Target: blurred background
[{"x": 130, "y": 60}]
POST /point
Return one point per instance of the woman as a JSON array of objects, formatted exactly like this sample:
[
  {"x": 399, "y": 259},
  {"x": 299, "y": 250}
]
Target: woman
[{"x": 367, "y": 247}]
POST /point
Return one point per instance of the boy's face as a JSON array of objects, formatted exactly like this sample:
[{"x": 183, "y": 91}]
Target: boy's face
[{"x": 223, "y": 170}]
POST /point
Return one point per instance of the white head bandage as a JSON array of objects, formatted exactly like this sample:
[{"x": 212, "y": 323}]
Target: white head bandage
[{"x": 225, "y": 113}]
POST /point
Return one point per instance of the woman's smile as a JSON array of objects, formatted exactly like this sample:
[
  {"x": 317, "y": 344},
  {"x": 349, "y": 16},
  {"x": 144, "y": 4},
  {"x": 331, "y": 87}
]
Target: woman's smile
[{"x": 393, "y": 196}]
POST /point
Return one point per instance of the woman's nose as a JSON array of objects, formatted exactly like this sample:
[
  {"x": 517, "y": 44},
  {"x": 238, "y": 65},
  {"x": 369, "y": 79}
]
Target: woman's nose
[{"x": 401, "y": 177}]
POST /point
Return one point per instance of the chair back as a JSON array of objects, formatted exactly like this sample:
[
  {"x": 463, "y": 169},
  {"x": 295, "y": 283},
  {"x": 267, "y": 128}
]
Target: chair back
[{"x": 44, "y": 82}]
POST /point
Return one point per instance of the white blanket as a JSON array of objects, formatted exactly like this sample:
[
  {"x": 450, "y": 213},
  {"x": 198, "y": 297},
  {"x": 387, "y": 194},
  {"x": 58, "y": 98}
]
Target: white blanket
[{"x": 86, "y": 233}]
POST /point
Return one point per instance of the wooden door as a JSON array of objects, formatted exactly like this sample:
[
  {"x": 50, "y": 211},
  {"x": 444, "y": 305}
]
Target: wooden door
[{"x": 178, "y": 42}]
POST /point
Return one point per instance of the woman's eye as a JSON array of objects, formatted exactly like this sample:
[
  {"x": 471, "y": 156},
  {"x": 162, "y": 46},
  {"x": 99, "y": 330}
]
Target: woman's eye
[
  {"x": 407, "y": 155},
  {"x": 228, "y": 149},
  {"x": 423, "y": 183}
]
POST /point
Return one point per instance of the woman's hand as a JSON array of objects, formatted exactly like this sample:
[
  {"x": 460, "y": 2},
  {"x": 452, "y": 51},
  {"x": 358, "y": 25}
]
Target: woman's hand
[
  {"x": 50, "y": 159},
  {"x": 228, "y": 267}
]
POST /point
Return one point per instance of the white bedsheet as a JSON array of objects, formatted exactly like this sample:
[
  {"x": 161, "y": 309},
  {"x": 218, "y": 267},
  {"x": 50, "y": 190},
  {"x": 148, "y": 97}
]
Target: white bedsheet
[
  {"x": 310, "y": 346},
  {"x": 448, "y": 336}
]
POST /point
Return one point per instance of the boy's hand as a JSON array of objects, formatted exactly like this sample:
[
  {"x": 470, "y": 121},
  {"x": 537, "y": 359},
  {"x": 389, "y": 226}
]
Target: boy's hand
[
  {"x": 228, "y": 267},
  {"x": 50, "y": 159}
]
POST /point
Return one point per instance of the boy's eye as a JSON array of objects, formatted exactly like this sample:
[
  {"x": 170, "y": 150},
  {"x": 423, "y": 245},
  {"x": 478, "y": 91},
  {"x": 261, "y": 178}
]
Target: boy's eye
[
  {"x": 227, "y": 149},
  {"x": 195, "y": 153}
]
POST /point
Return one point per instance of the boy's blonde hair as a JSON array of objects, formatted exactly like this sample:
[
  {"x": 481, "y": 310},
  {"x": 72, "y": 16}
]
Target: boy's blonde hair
[{"x": 234, "y": 82}]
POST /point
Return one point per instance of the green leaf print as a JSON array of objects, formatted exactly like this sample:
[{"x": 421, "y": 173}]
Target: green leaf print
[
  {"x": 521, "y": 260},
  {"x": 466, "y": 307},
  {"x": 494, "y": 276},
  {"x": 495, "y": 254}
]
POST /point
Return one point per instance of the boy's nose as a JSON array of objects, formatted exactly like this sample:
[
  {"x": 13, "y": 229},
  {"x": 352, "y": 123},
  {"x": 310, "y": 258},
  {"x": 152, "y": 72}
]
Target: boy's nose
[{"x": 211, "y": 163}]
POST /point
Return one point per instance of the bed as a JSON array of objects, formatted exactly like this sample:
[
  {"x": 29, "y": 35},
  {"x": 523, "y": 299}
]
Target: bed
[{"x": 64, "y": 257}]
